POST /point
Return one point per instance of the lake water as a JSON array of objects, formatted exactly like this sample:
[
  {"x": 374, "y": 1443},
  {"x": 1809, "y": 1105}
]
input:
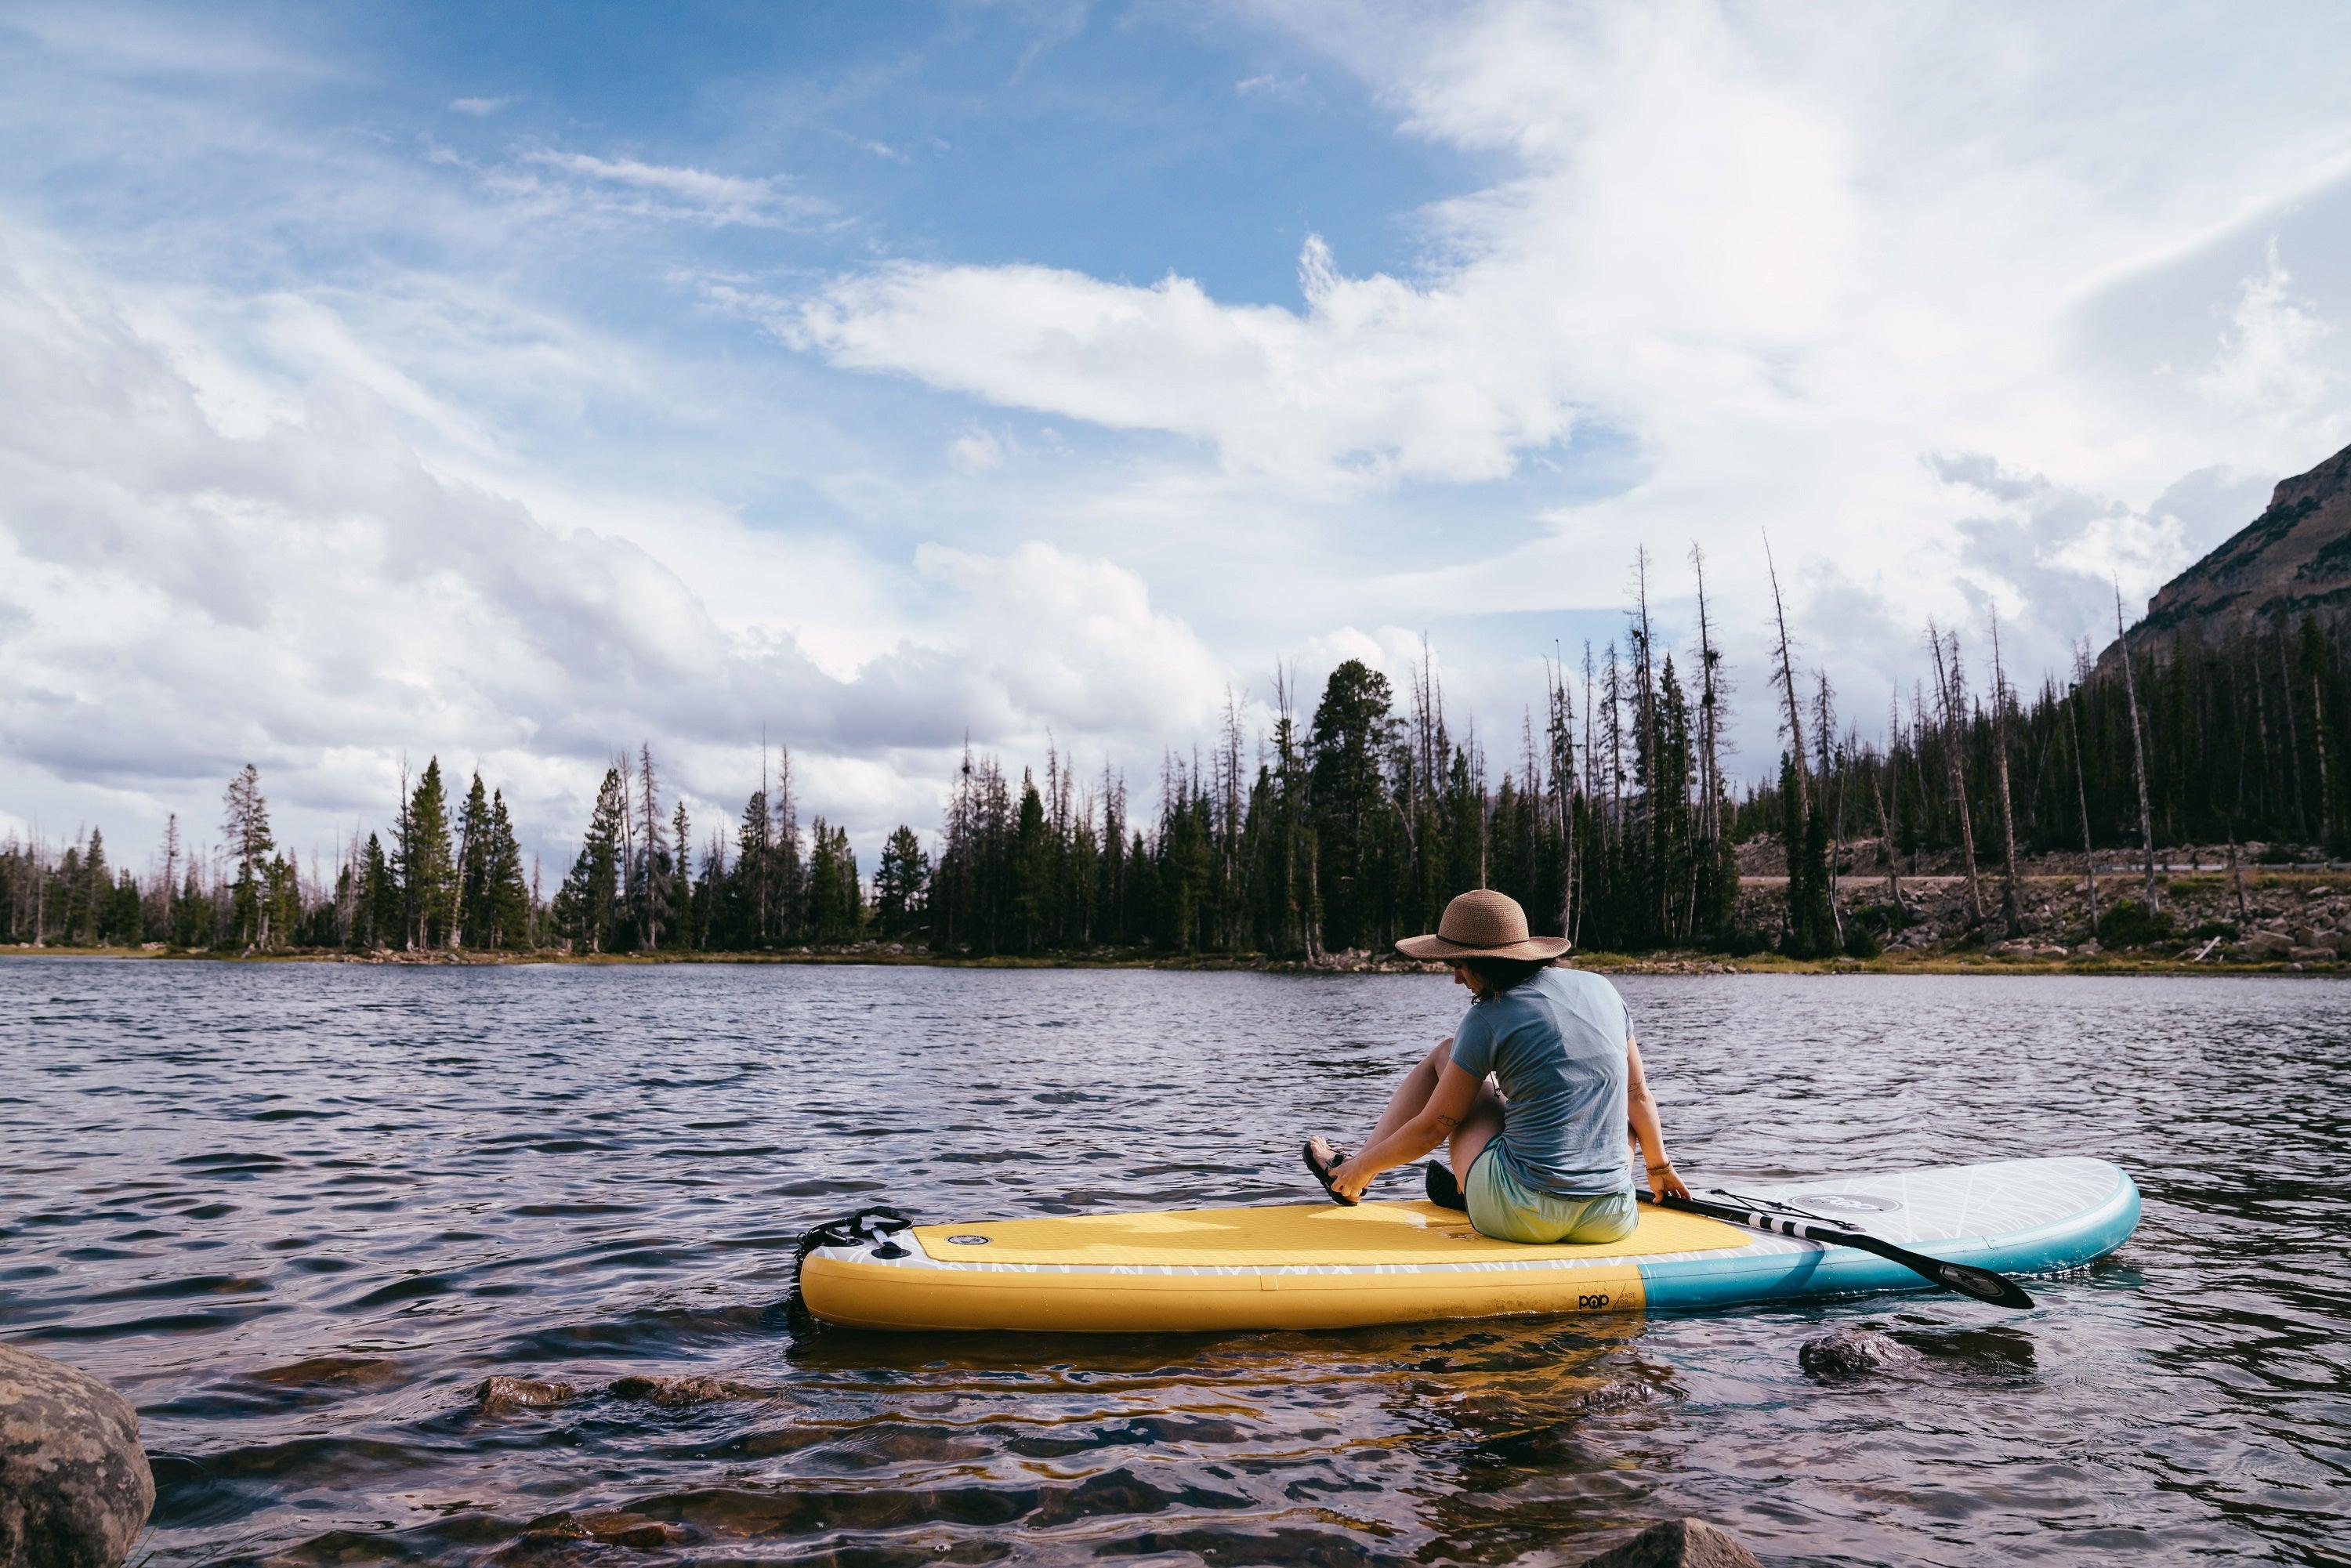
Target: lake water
[{"x": 298, "y": 1212}]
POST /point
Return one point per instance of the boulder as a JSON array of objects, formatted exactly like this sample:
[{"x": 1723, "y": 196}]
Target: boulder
[
  {"x": 1677, "y": 1543},
  {"x": 494, "y": 1396},
  {"x": 2265, "y": 944},
  {"x": 2311, "y": 954},
  {"x": 675, "y": 1392},
  {"x": 75, "y": 1487},
  {"x": 1853, "y": 1350}
]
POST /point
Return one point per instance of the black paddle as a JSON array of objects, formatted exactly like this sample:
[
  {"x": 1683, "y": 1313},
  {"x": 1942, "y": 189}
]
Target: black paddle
[{"x": 1968, "y": 1280}]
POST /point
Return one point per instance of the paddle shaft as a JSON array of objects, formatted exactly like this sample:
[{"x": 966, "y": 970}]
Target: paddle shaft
[{"x": 1981, "y": 1284}]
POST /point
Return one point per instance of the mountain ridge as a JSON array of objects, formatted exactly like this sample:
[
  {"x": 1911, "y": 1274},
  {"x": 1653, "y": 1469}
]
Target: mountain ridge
[{"x": 2292, "y": 561}]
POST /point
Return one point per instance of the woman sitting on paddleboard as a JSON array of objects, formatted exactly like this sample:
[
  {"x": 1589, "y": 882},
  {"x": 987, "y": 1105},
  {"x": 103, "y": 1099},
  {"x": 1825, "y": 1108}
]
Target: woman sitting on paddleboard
[{"x": 1543, "y": 1160}]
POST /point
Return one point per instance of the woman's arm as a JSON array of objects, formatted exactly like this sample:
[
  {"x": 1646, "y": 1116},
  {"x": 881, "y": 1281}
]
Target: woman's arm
[
  {"x": 1450, "y": 1101},
  {"x": 1647, "y": 1130}
]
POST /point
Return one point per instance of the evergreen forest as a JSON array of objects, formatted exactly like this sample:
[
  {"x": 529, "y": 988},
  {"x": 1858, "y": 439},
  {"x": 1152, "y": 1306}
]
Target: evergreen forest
[{"x": 1616, "y": 816}]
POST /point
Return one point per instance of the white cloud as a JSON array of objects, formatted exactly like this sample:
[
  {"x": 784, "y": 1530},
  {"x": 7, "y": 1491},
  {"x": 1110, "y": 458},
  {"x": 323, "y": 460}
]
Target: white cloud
[
  {"x": 1271, "y": 85},
  {"x": 977, "y": 451},
  {"x": 1785, "y": 257},
  {"x": 1903, "y": 287},
  {"x": 1378, "y": 380},
  {"x": 1078, "y": 640},
  {"x": 479, "y": 108},
  {"x": 667, "y": 191},
  {"x": 2265, "y": 360},
  {"x": 304, "y": 586},
  {"x": 156, "y": 44}
]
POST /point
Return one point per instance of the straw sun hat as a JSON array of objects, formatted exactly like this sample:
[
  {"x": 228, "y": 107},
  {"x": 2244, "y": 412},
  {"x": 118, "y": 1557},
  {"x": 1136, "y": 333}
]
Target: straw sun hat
[{"x": 1483, "y": 924}]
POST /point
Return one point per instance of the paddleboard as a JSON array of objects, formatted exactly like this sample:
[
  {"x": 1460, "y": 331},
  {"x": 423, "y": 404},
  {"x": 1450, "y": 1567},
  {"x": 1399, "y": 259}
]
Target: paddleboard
[{"x": 1322, "y": 1266}]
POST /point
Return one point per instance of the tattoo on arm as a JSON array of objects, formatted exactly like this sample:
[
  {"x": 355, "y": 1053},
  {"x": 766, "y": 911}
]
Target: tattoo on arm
[{"x": 1446, "y": 1124}]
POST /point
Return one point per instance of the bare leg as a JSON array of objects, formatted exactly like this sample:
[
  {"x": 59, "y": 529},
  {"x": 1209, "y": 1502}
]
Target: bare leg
[
  {"x": 1476, "y": 1130},
  {"x": 1412, "y": 1093}
]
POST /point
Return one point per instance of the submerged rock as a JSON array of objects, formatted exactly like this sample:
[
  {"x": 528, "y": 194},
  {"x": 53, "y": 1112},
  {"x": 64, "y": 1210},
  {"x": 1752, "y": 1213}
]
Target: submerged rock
[
  {"x": 1626, "y": 1395},
  {"x": 612, "y": 1527},
  {"x": 1677, "y": 1543},
  {"x": 332, "y": 1372},
  {"x": 670, "y": 1393},
  {"x": 75, "y": 1485},
  {"x": 493, "y": 1394},
  {"x": 1848, "y": 1351}
]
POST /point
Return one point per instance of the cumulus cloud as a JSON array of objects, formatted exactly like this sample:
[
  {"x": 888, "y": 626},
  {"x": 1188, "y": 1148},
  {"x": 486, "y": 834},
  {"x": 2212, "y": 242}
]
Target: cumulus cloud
[
  {"x": 1079, "y": 639},
  {"x": 1786, "y": 259},
  {"x": 304, "y": 588},
  {"x": 479, "y": 108},
  {"x": 1886, "y": 284},
  {"x": 2266, "y": 360},
  {"x": 1375, "y": 380}
]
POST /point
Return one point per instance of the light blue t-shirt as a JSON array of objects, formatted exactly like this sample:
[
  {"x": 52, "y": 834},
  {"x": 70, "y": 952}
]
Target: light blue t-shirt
[{"x": 1557, "y": 1046}]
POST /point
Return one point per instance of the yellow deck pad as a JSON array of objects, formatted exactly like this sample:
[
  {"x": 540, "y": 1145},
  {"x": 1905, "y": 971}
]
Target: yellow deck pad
[{"x": 1311, "y": 1235}]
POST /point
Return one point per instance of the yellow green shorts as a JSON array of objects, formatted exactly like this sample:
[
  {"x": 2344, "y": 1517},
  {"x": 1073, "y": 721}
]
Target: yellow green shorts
[{"x": 1504, "y": 1207}]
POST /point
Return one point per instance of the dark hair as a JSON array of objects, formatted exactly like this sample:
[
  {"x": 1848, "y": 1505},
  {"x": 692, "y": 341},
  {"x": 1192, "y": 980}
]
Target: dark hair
[{"x": 1496, "y": 976}]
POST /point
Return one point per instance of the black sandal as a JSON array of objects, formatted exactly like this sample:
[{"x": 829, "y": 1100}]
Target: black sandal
[
  {"x": 1323, "y": 1172},
  {"x": 1443, "y": 1190}
]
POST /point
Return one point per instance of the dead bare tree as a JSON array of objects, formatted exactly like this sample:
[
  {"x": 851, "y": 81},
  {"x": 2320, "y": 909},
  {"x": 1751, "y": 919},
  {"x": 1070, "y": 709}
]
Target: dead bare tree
[
  {"x": 1886, "y": 828},
  {"x": 2139, "y": 752},
  {"x": 2081, "y": 792},
  {"x": 1788, "y": 688},
  {"x": 1710, "y": 706},
  {"x": 2012, "y": 910},
  {"x": 1947, "y": 685}
]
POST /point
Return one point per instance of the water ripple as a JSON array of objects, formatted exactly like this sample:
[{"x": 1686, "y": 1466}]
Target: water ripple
[{"x": 299, "y": 1214}]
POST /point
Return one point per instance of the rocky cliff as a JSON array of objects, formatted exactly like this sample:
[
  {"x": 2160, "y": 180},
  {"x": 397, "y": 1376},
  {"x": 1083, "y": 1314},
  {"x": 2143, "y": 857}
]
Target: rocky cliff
[{"x": 2294, "y": 559}]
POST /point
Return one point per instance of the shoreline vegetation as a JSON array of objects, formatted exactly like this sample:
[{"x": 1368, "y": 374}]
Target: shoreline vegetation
[
  {"x": 2304, "y": 928},
  {"x": 2205, "y": 779}
]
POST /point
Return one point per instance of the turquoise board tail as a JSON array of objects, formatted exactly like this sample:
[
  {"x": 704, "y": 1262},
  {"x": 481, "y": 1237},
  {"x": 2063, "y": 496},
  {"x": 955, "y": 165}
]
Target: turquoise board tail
[{"x": 2014, "y": 1216}]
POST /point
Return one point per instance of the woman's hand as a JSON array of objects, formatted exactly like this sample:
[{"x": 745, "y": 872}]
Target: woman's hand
[
  {"x": 1348, "y": 1181},
  {"x": 1667, "y": 1182}
]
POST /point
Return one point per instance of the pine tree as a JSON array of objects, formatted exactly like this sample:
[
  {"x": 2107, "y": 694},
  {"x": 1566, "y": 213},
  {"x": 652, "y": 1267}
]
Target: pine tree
[
  {"x": 244, "y": 827},
  {"x": 425, "y": 865},
  {"x": 507, "y": 904},
  {"x": 588, "y": 902},
  {"x": 95, "y": 895},
  {"x": 682, "y": 917},
  {"x": 282, "y": 895},
  {"x": 475, "y": 921},
  {"x": 1352, "y": 729},
  {"x": 900, "y": 883},
  {"x": 836, "y": 906}
]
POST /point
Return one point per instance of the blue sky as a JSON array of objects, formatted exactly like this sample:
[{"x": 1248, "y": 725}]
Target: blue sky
[{"x": 518, "y": 384}]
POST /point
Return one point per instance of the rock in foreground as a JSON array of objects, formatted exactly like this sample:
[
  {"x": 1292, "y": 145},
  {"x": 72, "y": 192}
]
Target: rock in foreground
[
  {"x": 1677, "y": 1543},
  {"x": 75, "y": 1488},
  {"x": 1852, "y": 1351}
]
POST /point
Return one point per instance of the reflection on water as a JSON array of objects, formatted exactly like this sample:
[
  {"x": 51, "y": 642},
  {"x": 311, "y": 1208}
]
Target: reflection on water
[{"x": 298, "y": 1213}]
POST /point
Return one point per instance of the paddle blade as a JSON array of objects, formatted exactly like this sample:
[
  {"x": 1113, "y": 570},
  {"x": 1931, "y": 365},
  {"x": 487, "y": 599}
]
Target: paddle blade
[{"x": 1981, "y": 1283}]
